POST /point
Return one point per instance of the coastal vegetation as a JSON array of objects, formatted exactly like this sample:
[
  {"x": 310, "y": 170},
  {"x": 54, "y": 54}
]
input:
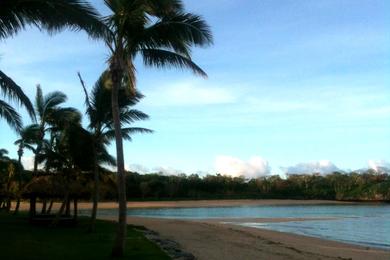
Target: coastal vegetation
[
  {"x": 353, "y": 186},
  {"x": 367, "y": 186}
]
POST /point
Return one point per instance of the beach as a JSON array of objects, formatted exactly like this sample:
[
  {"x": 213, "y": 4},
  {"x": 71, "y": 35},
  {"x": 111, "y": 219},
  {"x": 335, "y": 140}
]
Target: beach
[
  {"x": 199, "y": 203},
  {"x": 214, "y": 240},
  {"x": 224, "y": 239}
]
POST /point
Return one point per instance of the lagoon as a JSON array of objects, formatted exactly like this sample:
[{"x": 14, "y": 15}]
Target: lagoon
[{"x": 362, "y": 224}]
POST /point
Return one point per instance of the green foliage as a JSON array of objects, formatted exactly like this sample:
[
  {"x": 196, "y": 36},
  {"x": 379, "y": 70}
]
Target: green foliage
[
  {"x": 336, "y": 186},
  {"x": 20, "y": 240},
  {"x": 49, "y": 15}
]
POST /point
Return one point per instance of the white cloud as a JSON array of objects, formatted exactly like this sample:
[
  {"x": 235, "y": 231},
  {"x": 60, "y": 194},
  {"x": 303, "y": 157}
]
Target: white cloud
[
  {"x": 378, "y": 165},
  {"x": 139, "y": 168},
  {"x": 253, "y": 168},
  {"x": 189, "y": 93},
  {"x": 28, "y": 162},
  {"x": 322, "y": 167},
  {"x": 164, "y": 170},
  {"x": 167, "y": 170}
]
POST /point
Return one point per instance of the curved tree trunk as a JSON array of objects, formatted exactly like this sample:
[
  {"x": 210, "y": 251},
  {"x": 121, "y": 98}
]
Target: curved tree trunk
[
  {"x": 61, "y": 210},
  {"x": 119, "y": 244},
  {"x": 44, "y": 206},
  {"x": 19, "y": 183},
  {"x": 50, "y": 206}
]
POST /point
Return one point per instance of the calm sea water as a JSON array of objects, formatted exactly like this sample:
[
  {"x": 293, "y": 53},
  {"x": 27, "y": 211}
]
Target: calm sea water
[{"x": 367, "y": 225}]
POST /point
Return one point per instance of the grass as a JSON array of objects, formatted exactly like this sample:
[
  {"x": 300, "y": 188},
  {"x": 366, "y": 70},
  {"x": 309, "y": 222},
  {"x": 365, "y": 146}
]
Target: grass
[{"x": 20, "y": 240}]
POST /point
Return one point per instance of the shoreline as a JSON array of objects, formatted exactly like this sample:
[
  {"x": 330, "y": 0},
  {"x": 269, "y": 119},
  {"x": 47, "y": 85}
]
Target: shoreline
[
  {"x": 211, "y": 239},
  {"x": 224, "y": 238}
]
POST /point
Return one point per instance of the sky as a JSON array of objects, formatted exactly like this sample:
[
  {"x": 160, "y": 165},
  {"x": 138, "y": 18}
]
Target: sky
[{"x": 293, "y": 86}]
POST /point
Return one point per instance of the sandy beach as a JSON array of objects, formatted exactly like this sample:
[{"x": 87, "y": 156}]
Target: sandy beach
[
  {"x": 223, "y": 239},
  {"x": 214, "y": 240},
  {"x": 198, "y": 203}
]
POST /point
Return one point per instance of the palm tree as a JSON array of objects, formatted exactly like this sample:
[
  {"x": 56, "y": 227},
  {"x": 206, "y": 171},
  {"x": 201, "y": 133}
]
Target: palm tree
[
  {"x": 50, "y": 116},
  {"x": 99, "y": 113},
  {"x": 4, "y": 154},
  {"x": 28, "y": 138},
  {"x": 49, "y": 15},
  {"x": 162, "y": 34}
]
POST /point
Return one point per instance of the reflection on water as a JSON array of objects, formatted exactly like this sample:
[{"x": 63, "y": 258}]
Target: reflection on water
[{"x": 367, "y": 225}]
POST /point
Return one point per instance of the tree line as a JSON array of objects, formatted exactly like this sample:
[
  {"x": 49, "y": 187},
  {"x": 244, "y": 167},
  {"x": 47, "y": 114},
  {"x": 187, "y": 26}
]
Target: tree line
[
  {"x": 336, "y": 186},
  {"x": 366, "y": 186}
]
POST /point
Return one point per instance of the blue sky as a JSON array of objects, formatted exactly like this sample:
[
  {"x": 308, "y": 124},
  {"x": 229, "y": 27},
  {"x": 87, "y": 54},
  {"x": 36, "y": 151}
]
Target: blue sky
[{"x": 292, "y": 85}]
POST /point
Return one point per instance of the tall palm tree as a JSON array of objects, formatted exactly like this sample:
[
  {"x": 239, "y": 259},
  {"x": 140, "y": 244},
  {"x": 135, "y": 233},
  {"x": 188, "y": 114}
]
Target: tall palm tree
[
  {"x": 99, "y": 113},
  {"x": 50, "y": 115},
  {"x": 49, "y": 15},
  {"x": 28, "y": 138},
  {"x": 162, "y": 34}
]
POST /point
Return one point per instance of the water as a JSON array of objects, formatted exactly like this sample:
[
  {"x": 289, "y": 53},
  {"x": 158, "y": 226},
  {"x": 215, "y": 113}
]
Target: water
[{"x": 366, "y": 225}]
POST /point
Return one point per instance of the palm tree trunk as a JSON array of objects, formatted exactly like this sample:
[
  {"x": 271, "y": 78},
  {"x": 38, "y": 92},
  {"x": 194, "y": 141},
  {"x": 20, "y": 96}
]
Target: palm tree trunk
[
  {"x": 119, "y": 244},
  {"x": 32, "y": 211},
  {"x": 19, "y": 183},
  {"x": 44, "y": 206},
  {"x": 17, "y": 206},
  {"x": 75, "y": 209},
  {"x": 59, "y": 213},
  {"x": 95, "y": 190},
  {"x": 67, "y": 208},
  {"x": 50, "y": 206}
]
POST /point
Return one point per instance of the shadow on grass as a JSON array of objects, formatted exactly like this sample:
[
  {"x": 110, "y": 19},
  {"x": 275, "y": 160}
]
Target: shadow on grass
[{"x": 21, "y": 240}]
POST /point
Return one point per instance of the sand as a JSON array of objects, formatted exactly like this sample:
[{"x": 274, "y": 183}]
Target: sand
[
  {"x": 223, "y": 239},
  {"x": 199, "y": 203},
  {"x": 214, "y": 240}
]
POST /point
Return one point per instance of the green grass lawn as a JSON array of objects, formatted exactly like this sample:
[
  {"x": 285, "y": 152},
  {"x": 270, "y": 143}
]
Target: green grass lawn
[{"x": 20, "y": 240}]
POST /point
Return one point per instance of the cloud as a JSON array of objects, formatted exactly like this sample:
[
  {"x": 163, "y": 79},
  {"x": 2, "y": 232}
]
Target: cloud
[
  {"x": 167, "y": 170},
  {"x": 28, "y": 162},
  {"x": 139, "y": 168},
  {"x": 322, "y": 167},
  {"x": 253, "y": 168},
  {"x": 190, "y": 93},
  {"x": 378, "y": 165},
  {"x": 164, "y": 170}
]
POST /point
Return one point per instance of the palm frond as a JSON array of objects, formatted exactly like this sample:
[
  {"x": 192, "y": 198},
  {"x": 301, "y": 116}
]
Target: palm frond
[
  {"x": 105, "y": 158},
  {"x": 54, "y": 99},
  {"x": 128, "y": 116},
  {"x": 160, "y": 58},
  {"x": 3, "y": 152},
  {"x": 177, "y": 32},
  {"x": 62, "y": 117},
  {"x": 163, "y": 7},
  {"x": 50, "y": 15},
  {"x": 127, "y": 132},
  {"x": 14, "y": 92},
  {"x": 28, "y": 135},
  {"x": 10, "y": 115}
]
